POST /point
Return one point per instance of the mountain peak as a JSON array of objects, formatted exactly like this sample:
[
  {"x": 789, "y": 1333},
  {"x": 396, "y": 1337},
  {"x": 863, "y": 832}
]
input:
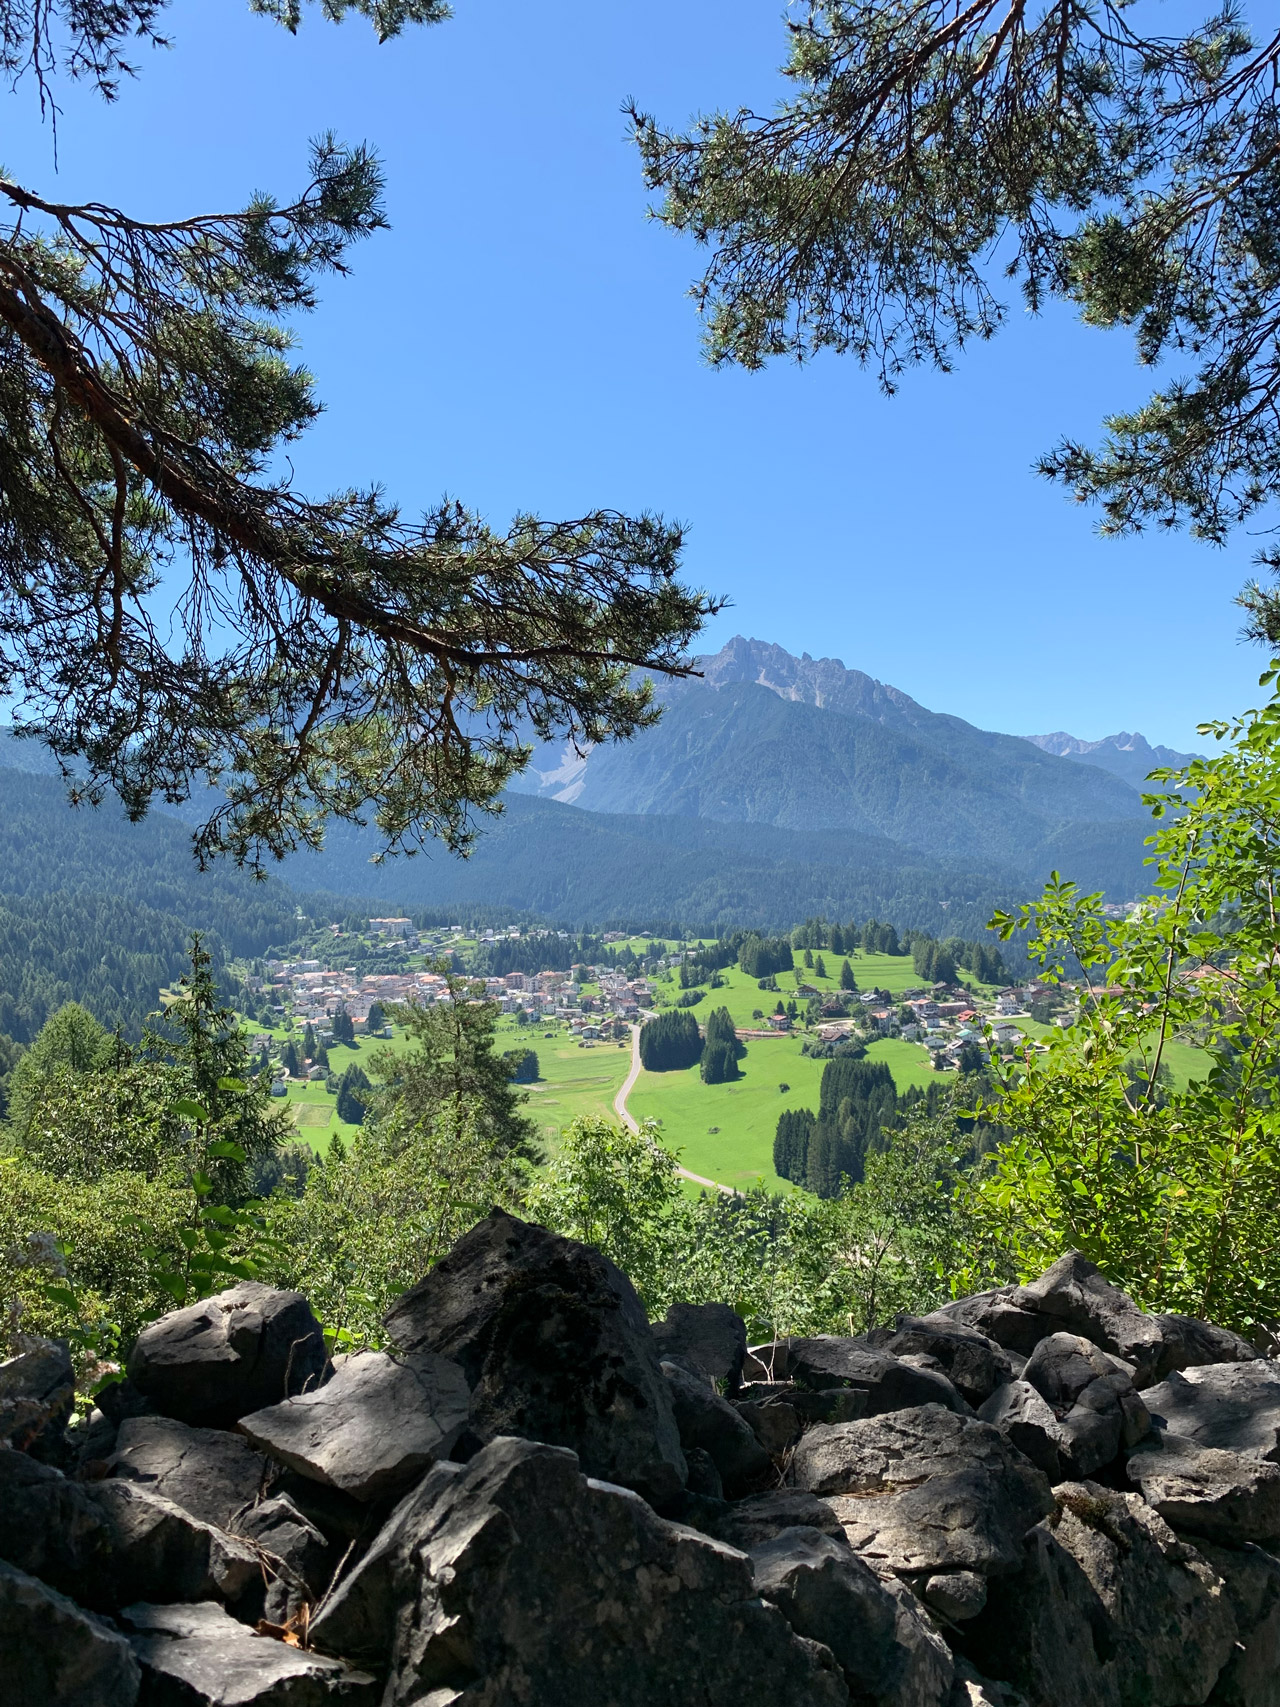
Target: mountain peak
[
  {"x": 821, "y": 682},
  {"x": 1127, "y": 754}
]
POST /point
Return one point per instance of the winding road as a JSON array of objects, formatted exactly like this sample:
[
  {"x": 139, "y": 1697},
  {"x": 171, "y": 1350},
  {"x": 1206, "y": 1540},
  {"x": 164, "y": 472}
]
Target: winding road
[{"x": 629, "y": 1120}]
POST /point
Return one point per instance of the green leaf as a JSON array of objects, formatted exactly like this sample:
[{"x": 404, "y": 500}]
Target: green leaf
[
  {"x": 186, "y": 1109},
  {"x": 232, "y": 1085},
  {"x": 225, "y": 1149}
]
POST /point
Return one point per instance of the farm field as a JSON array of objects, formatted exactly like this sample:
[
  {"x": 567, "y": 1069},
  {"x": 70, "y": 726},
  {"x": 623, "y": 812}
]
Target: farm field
[
  {"x": 573, "y": 1081},
  {"x": 746, "y": 1111}
]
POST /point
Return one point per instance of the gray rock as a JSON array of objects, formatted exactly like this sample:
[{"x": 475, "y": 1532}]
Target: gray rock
[
  {"x": 996, "y": 1316},
  {"x": 775, "y": 1423},
  {"x": 707, "y": 1421},
  {"x": 706, "y": 1338},
  {"x": 766, "y": 1365},
  {"x": 210, "y": 1473},
  {"x": 1251, "y": 1677},
  {"x": 887, "y": 1650},
  {"x": 373, "y": 1429},
  {"x": 1232, "y": 1406},
  {"x": 54, "y": 1654},
  {"x": 37, "y": 1393},
  {"x": 703, "y": 1481},
  {"x": 521, "y": 1580},
  {"x": 973, "y": 1690},
  {"x": 890, "y": 1384},
  {"x": 556, "y": 1347},
  {"x": 1203, "y": 1491},
  {"x": 957, "y": 1595},
  {"x": 949, "y": 1493},
  {"x": 1092, "y": 1396},
  {"x": 1189, "y": 1343},
  {"x": 160, "y": 1552},
  {"x": 749, "y": 1523},
  {"x": 1078, "y": 1297},
  {"x": 49, "y": 1526},
  {"x": 975, "y": 1364},
  {"x": 197, "y": 1656},
  {"x": 225, "y": 1356},
  {"x": 1029, "y": 1424},
  {"x": 1109, "y": 1609},
  {"x": 296, "y": 1558}
]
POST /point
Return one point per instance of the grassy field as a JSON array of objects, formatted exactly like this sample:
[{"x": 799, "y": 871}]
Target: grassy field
[
  {"x": 740, "y": 1152},
  {"x": 574, "y": 1081}
]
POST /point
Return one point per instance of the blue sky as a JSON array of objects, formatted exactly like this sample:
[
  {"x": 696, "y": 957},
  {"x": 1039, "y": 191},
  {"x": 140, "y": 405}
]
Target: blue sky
[{"x": 521, "y": 339}]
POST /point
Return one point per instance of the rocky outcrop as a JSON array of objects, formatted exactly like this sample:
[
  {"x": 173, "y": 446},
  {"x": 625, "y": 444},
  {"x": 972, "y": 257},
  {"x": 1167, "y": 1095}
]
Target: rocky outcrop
[
  {"x": 555, "y": 1346},
  {"x": 37, "y": 1392},
  {"x": 532, "y": 1497},
  {"x": 228, "y": 1355}
]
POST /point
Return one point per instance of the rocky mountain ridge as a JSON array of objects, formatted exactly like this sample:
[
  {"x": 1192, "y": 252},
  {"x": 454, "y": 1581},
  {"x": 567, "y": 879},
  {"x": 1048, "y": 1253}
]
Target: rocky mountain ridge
[
  {"x": 1129, "y": 756},
  {"x": 1038, "y": 1497}
]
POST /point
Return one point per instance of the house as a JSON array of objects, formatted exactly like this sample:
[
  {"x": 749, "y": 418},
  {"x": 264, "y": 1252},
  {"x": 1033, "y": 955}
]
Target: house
[
  {"x": 779, "y": 1022},
  {"x": 279, "y": 1088}
]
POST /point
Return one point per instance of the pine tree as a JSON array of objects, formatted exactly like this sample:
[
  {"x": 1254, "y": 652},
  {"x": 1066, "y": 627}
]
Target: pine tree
[
  {"x": 847, "y": 980},
  {"x": 820, "y": 968},
  {"x": 309, "y": 1042}
]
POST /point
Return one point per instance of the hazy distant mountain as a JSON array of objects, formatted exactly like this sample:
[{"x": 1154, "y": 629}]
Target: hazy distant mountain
[
  {"x": 1131, "y": 757},
  {"x": 807, "y": 745}
]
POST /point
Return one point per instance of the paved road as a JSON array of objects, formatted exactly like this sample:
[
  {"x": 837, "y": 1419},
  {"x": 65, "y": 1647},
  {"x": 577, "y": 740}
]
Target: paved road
[{"x": 628, "y": 1119}]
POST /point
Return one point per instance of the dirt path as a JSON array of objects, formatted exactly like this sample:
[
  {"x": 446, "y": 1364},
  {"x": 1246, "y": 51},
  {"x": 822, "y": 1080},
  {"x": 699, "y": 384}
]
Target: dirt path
[{"x": 628, "y": 1119}]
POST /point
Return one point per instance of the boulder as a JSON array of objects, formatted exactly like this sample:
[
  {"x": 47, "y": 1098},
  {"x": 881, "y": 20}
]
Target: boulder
[
  {"x": 997, "y": 1317},
  {"x": 708, "y": 1339},
  {"x": 1029, "y": 1424},
  {"x": 296, "y": 1558},
  {"x": 827, "y": 1361},
  {"x": 950, "y": 1493},
  {"x": 1228, "y": 1497},
  {"x": 707, "y": 1421},
  {"x": 975, "y": 1364},
  {"x": 225, "y": 1356},
  {"x": 1251, "y": 1677},
  {"x": 50, "y": 1527},
  {"x": 1078, "y": 1298},
  {"x": 1092, "y": 1396},
  {"x": 776, "y": 1423},
  {"x": 37, "y": 1393},
  {"x": 957, "y": 1595},
  {"x": 1109, "y": 1609},
  {"x": 160, "y": 1552},
  {"x": 54, "y": 1654},
  {"x": 555, "y": 1346},
  {"x": 198, "y": 1656},
  {"x": 208, "y": 1472},
  {"x": 1232, "y": 1406},
  {"x": 749, "y": 1523},
  {"x": 519, "y": 1579},
  {"x": 373, "y": 1429},
  {"x": 1188, "y": 1343},
  {"x": 703, "y": 1481},
  {"x": 885, "y": 1646}
]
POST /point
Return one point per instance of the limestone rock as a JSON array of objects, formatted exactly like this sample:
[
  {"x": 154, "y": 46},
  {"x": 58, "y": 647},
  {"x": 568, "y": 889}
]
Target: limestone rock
[
  {"x": 776, "y": 1423},
  {"x": 208, "y": 1472},
  {"x": 37, "y": 1392},
  {"x": 54, "y": 1654},
  {"x": 1109, "y": 1609},
  {"x": 890, "y": 1384},
  {"x": 706, "y": 1338},
  {"x": 225, "y": 1356},
  {"x": 949, "y": 1493},
  {"x": 1230, "y": 1497},
  {"x": 975, "y": 1364},
  {"x": 1080, "y": 1300},
  {"x": 996, "y": 1316},
  {"x": 373, "y": 1429},
  {"x": 297, "y": 1559},
  {"x": 198, "y": 1656},
  {"x": 1251, "y": 1677},
  {"x": 1189, "y": 1344},
  {"x": 555, "y": 1346},
  {"x": 1233, "y": 1406},
  {"x": 750, "y": 1523},
  {"x": 519, "y": 1579},
  {"x": 1092, "y": 1396},
  {"x": 162, "y": 1553},
  {"x": 957, "y": 1595},
  {"x": 707, "y": 1421},
  {"x": 1029, "y": 1424},
  {"x": 49, "y": 1526},
  {"x": 886, "y": 1648}
]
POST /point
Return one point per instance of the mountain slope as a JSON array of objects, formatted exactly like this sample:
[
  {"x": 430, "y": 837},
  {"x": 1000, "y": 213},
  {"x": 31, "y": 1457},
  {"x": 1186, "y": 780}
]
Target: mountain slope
[
  {"x": 1128, "y": 756},
  {"x": 808, "y": 745}
]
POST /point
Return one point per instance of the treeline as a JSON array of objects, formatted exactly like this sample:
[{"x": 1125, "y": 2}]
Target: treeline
[
  {"x": 672, "y": 1042},
  {"x": 855, "y": 1100}
]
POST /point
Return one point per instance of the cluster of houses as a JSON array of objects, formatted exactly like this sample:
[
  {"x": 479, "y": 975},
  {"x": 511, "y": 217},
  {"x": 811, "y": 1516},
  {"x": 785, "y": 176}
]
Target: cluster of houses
[{"x": 947, "y": 1018}]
